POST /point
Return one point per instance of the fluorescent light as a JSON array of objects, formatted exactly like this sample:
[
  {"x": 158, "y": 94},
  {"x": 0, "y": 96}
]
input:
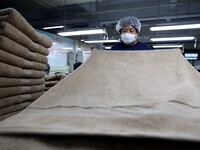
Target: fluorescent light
[
  {"x": 191, "y": 58},
  {"x": 173, "y": 39},
  {"x": 68, "y": 48},
  {"x": 107, "y": 47},
  {"x": 175, "y": 27},
  {"x": 166, "y": 46},
  {"x": 102, "y": 41},
  {"x": 53, "y": 27},
  {"x": 191, "y": 55},
  {"x": 84, "y": 32}
]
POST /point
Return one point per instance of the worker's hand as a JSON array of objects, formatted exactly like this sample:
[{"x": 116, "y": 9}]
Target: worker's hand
[{"x": 93, "y": 47}]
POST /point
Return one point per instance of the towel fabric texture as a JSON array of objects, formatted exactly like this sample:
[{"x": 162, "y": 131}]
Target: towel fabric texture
[
  {"x": 51, "y": 80},
  {"x": 50, "y": 83},
  {"x": 21, "y": 51},
  {"x": 8, "y": 82},
  {"x": 23, "y": 58},
  {"x": 13, "y": 17},
  {"x": 15, "y": 107},
  {"x": 11, "y": 91},
  {"x": 8, "y": 30},
  {"x": 20, "y": 62},
  {"x": 55, "y": 77},
  {"x": 127, "y": 94},
  {"x": 16, "y": 72},
  {"x": 2, "y": 117},
  {"x": 9, "y": 101}
]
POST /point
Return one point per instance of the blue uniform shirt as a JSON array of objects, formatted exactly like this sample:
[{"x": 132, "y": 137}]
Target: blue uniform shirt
[{"x": 137, "y": 46}]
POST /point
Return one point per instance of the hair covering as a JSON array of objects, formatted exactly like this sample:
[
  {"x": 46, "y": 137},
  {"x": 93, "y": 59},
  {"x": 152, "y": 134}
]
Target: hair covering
[{"x": 130, "y": 20}]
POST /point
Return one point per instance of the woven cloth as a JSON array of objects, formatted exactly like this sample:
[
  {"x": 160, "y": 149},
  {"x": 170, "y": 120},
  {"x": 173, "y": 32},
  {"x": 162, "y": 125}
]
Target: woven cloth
[
  {"x": 152, "y": 94},
  {"x": 13, "y": 17}
]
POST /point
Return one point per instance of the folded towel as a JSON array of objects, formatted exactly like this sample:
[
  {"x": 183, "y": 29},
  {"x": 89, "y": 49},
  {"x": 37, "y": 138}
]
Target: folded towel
[
  {"x": 47, "y": 88},
  {"x": 14, "y": 60},
  {"x": 8, "y": 101},
  {"x": 2, "y": 117},
  {"x": 8, "y": 30},
  {"x": 8, "y": 82},
  {"x": 16, "y": 72},
  {"x": 55, "y": 77},
  {"x": 17, "y": 90},
  {"x": 16, "y": 19},
  {"x": 19, "y": 50},
  {"x": 51, "y": 80},
  {"x": 50, "y": 83},
  {"x": 14, "y": 108}
]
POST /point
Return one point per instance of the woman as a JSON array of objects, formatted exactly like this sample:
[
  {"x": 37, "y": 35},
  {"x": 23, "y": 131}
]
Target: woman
[{"x": 129, "y": 28}]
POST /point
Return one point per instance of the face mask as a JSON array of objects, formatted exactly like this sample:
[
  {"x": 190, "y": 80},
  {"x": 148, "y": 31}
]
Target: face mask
[{"x": 128, "y": 38}]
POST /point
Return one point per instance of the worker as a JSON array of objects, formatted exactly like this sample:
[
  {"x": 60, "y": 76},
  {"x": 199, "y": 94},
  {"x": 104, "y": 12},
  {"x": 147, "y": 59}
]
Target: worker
[
  {"x": 129, "y": 28},
  {"x": 47, "y": 70}
]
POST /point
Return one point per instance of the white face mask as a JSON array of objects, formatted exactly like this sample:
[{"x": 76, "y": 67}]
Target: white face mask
[{"x": 128, "y": 38}]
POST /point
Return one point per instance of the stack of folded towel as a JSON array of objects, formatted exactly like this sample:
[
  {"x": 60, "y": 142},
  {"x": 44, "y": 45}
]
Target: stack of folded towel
[
  {"x": 51, "y": 80},
  {"x": 71, "y": 60},
  {"x": 82, "y": 56},
  {"x": 23, "y": 58}
]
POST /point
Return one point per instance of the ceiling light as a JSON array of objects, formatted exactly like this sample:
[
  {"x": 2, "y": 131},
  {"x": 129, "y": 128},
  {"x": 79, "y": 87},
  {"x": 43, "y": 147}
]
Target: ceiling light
[
  {"x": 166, "y": 46},
  {"x": 102, "y": 41},
  {"x": 107, "y": 47},
  {"x": 53, "y": 27},
  {"x": 175, "y": 27},
  {"x": 83, "y": 32},
  {"x": 173, "y": 39},
  {"x": 191, "y": 55},
  {"x": 191, "y": 58},
  {"x": 68, "y": 48}
]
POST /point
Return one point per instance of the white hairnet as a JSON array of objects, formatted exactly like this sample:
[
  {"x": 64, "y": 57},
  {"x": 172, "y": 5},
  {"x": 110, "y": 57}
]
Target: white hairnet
[{"x": 130, "y": 20}]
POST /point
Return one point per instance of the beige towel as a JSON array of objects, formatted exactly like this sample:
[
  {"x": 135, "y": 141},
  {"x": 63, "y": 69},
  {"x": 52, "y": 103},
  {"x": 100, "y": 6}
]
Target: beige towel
[
  {"x": 14, "y": 17},
  {"x": 19, "y": 50},
  {"x": 14, "y": 60},
  {"x": 12, "y": 91},
  {"x": 8, "y": 101},
  {"x": 8, "y": 30},
  {"x": 2, "y": 117},
  {"x": 47, "y": 88},
  {"x": 55, "y": 77},
  {"x": 8, "y": 82},
  {"x": 119, "y": 93},
  {"x": 51, "y": 80},
  {"x": 50, "y": 83},
  {"x": 14, "y": 108},
  {"x": 16, "y": 72}
]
